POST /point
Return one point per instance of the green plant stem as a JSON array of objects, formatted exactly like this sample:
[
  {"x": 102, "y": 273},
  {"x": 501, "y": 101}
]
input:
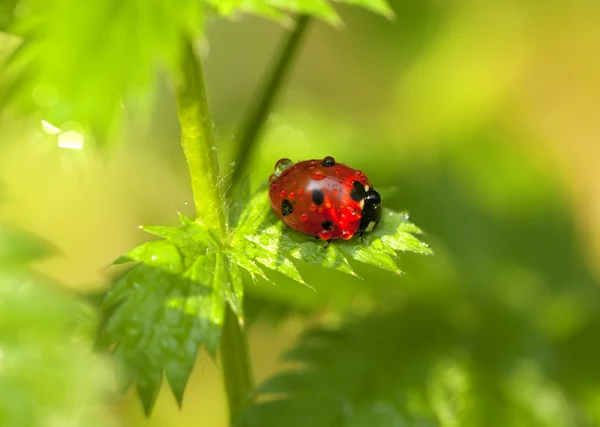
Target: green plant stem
[
  {"x": 266, "y": 94},
  {"x": 239, "y": 382},
  {"x": 198, "y": 142}
]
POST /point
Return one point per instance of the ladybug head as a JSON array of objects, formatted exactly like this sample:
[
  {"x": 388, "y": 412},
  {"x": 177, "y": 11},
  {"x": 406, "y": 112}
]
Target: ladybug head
[{"x": 371, "y": 213}]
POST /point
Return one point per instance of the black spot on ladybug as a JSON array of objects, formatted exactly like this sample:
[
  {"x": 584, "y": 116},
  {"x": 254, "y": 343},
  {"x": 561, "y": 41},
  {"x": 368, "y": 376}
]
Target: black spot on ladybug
[
  {"x": 327, "y": 225},
  {"x": 358, "y": 192},
  {"x": 328, "y": 162},
  {"x": 286, "y": 207},
  {"x": 318, "y": 196}
]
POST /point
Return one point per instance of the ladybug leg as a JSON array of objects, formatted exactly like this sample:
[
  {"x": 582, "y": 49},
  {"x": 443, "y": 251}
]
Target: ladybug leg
[
  {"x": 327, "y": 244},
  {"x": 360, "y": 235}
]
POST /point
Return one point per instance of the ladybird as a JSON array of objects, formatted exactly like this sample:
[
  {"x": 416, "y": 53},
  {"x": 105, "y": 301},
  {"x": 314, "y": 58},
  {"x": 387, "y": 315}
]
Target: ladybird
[{"x": 324, "y": 199}]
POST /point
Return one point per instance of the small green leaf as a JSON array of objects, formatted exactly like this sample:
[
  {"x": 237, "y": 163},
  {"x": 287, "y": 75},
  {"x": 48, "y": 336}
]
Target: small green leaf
[
  {"x": 260, "y": 236},
  {"x": 320, "y": 9},
  {"x": 228, "y": 8},
  {"x": 378, "y": 6},
  {"x": 273, "y": 260},
  {"x": 161, "y": 310},
  {"x": 281, "y": 10},
  {"x": 158, "y": 253},
  {"x": 242, "y": 260}
]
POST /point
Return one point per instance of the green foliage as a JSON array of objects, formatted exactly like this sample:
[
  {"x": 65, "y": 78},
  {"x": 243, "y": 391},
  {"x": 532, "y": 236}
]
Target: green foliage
[
  {"x": 423, "y": 365},
  {"x": 169, "y": 304},
  {"x": 18, "y": 248},
  {"x": 71, "y": 50},
  {"x": 160, "y": 311},
  {"x": 261, "y": 234},
  {"x": 78, "y": 63},
  {"x": 280, "y": 10},
  {"x": 48, "y": 376}
]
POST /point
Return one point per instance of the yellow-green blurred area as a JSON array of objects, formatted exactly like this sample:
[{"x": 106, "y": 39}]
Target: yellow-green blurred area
[{"x": 484, "y": 116}]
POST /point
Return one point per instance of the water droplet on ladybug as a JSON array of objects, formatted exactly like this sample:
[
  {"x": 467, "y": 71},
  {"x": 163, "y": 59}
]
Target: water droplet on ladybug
[
  {"x": 301, "y": 191},
  {"x": 304, "y": 217},
  {"x": 312, "y": 207},
  {"x": 320, "y": 210},
  {"x": 292, "y": 195},
  {"x": 346, "y": 234},
  {"x": 318, "y": 175},
  {"x": 282, "y": 165},
  {"x": 355, "y": 214},
  {"x": 325, "y": 234},
  {"x": 328, "y": 161},
  {"x": 327, "y": 205},
  {"x": 282, "y": 193},
  {"x": 272, "y": 178}
]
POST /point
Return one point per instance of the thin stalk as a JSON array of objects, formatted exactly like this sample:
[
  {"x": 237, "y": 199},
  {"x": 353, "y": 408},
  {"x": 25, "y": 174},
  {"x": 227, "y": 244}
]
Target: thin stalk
[
  {"x": 198, "y": 142},
  {"x": 239, "y": 382},
  {"x": 266, "y": 95}
]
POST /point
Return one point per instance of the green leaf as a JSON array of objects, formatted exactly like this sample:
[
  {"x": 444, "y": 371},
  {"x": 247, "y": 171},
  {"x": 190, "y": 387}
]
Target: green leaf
[
  {"x": 280, "y": 10},
  {"x": 320, "y": 9},
  {"x": 77, "y": 73},
  {"x": 7, "y": 13},
  {"x": 18, "y": 248},
  {"x": 378, "y": 6},
  {"x": 419, "y": 365},
  {"x": 47, "y": 372},
  {"x": 163, "y": 309},
  {"x": 261, "y": 237},
  {"x": 229, "y": 8}
]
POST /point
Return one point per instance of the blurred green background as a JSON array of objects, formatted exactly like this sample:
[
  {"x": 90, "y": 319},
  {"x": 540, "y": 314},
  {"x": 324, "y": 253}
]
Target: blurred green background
[{"x": 485, "y": 116}]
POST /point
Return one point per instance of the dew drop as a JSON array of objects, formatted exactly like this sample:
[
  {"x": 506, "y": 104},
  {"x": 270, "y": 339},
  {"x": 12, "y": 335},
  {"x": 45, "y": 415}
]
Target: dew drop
[
  {"x": 320, "y": 210},
  {"x": 318, "y": 175},
  {"x": 327, "y": 205},
  {"x": 405, "y": 215},
  {"x": 232, "y": 164},
  {"x": 282, "y": 193},
  {"x": 272, "y": 178},
  {"x": 312, "y": 207},
  {"x": 301, "y": 192},
  {"x": 347, "y": 234},
  {"x": 282, "y": 165},
  {"x": 304, "y": 217},
  {"x": 325, "y": 234},
  {"x": 292, "y": 195},
  {"x": 153, "y": 257}
]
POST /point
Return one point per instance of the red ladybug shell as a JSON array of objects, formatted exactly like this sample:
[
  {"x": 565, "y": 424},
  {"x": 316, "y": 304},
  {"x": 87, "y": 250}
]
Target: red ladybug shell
[{"x": 315, "y": 197}]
